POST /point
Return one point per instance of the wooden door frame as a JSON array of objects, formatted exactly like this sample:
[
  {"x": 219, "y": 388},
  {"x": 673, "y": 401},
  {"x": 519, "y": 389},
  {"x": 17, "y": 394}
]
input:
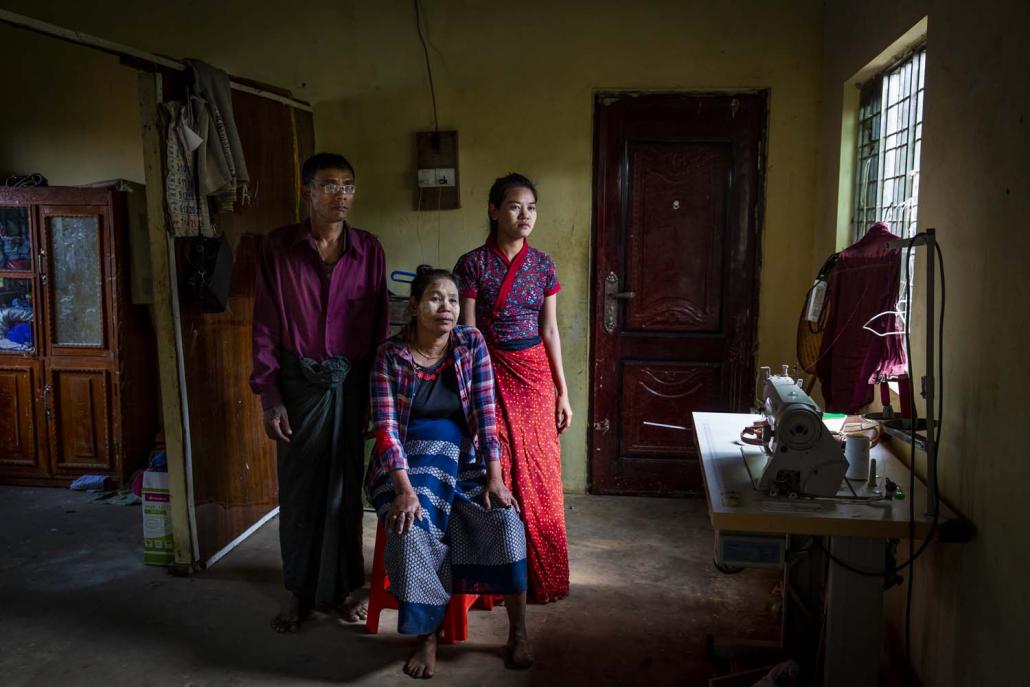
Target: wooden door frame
[{"x": 600, "y": 199}]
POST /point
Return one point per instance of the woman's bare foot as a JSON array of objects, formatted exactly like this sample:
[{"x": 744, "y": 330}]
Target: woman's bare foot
[
  {"x": 291, "y": 615},
  {"x": 422, "y": 662},
  {"x": 518, "y": 654},
  {"x": 353, "y": 610}
]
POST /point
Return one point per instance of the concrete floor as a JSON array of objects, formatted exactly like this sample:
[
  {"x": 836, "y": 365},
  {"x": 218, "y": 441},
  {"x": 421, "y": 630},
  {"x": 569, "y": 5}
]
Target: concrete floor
[{"x": 77, "y": 607}]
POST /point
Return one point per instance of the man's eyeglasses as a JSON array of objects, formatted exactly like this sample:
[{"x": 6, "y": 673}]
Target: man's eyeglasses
[{"x": 332, "y": 188}]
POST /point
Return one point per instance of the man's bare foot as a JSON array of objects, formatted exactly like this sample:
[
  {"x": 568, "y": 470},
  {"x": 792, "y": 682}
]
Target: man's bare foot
[
  {"x": 422, "y": 662},
  {"x": 291, "y": 615},
  {"x": 353, "y": 609},
  {"x": 518, "y": 653}
]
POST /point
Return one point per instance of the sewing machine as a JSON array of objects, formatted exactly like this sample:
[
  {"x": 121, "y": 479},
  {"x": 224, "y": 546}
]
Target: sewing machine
[{"x": 804, "y": 458}]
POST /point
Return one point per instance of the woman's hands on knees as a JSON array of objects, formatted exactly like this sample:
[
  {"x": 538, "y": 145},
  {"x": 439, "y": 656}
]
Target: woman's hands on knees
[
  {"x": 498, "y": 496},
  {"x": 403, "y": 512}
]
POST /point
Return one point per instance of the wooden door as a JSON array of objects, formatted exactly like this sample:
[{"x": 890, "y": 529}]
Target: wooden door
[
  {"x": 675, "y": 300},
  {"x": 235, "y": 484}
]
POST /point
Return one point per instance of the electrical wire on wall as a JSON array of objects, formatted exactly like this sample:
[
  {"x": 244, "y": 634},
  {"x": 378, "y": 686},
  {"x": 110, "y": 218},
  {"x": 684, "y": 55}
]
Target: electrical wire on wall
[
  {"x": 429, "y": 67},
  {"x": 436, "y": 131}
]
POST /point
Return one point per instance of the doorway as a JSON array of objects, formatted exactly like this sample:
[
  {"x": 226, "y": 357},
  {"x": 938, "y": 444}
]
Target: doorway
[{"x": 677, "y": 220}]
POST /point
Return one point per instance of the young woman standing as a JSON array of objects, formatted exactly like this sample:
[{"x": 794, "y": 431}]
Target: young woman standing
[{"x": 509, "y": 292}]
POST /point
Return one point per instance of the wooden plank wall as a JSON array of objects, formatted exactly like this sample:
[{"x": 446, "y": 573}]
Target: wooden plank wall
[{"x": 234, "y": 475}]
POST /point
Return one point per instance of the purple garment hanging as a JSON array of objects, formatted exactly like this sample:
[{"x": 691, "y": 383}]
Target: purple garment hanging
[{"x": 863, "y": 284}]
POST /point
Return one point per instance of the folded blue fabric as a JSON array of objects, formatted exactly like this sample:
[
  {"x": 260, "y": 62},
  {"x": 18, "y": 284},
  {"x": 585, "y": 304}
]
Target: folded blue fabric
[
  {"x": 21, "y": 333},
  {"x": 158, "y": 462}
]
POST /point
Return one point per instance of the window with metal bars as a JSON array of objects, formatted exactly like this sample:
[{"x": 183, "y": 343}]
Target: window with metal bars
[{"x": 890, "y": 134}]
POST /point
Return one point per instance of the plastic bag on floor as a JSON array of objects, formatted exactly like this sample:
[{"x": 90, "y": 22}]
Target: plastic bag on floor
[{"x": 781, "y": 675}]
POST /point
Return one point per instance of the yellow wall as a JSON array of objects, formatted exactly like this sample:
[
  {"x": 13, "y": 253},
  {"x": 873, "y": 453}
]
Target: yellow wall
[
  {"x": 971, "y": 609},
  {"x": 520, "y": 91},
  {"x": 69, "y": 113},
  {"x": 518, "y": 83}
]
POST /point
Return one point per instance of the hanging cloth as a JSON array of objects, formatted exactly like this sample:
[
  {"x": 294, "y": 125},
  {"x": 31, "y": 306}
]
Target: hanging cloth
[
  {"x": 221, "y": 167},
  {"x": 186, "y": 214},
  {"x": 863, "y": 283}
]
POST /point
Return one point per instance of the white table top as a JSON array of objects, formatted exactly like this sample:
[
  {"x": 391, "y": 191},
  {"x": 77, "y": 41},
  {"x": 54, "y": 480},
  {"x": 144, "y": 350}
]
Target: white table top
[{"x": 735, "y": 505}]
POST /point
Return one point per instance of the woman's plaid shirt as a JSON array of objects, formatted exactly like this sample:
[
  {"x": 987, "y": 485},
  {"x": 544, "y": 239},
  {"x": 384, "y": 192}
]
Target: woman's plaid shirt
[{"x": 393, "y": 388}]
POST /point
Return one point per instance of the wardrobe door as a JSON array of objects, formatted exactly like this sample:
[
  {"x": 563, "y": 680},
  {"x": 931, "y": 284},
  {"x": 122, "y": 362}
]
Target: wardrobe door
[
  {"x": 22, "y": 437},
  {"x": 22, "y": 452},
  {"x": 77, "y": 268},
  {"x": 80, "y": 413}
]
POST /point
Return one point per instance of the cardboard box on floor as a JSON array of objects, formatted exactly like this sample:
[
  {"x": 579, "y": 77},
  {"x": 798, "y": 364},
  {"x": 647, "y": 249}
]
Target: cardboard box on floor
[{"x": 157, "y": 520}]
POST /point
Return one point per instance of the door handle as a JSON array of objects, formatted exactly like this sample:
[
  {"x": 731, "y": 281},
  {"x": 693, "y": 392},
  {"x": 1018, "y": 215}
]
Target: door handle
[
  {"x": 612, "y": 296},
  {"x": 46, "y": 400}
]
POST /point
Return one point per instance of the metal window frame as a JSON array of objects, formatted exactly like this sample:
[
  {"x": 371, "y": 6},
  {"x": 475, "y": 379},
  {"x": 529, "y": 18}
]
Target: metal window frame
[
  {"x": 874, "y": 105},
  {"x": 875, "y": 94}
]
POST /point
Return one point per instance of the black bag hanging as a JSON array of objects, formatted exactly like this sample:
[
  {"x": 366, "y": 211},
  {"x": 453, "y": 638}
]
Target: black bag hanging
[{"x": 209, "y": 273}]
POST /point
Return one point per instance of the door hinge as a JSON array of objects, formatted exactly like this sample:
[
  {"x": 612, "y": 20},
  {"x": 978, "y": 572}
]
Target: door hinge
[{"x": 602, "y": 426}]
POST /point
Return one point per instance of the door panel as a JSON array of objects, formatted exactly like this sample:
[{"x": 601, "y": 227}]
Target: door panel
[
  {"x": 18, "y": 440},
  {"x": 80, "y": 433},
  {"x": 675, "y": 280},
  {"x": 677, "y": 198},
  {"x": 652, "y": 394}
]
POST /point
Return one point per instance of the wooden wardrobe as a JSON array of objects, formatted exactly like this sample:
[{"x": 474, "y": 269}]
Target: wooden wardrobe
[{"x": 78, "y": 391}]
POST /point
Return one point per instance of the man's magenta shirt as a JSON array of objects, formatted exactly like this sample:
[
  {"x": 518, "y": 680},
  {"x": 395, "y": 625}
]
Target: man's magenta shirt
[{"x": 298, "y": 309}]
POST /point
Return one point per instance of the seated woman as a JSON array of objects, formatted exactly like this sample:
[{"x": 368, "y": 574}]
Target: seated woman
[{"x": 435, "y": 477}]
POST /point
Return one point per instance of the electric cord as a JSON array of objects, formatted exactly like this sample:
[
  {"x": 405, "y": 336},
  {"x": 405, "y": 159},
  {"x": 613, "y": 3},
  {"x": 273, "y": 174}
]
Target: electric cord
[
  {"x": 932, "y": 473},
  {"x": 429, "y": 67}
]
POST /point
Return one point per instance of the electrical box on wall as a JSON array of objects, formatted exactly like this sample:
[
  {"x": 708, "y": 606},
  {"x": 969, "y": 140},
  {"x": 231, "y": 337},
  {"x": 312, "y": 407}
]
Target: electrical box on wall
[{"x": 436, "y": 159}]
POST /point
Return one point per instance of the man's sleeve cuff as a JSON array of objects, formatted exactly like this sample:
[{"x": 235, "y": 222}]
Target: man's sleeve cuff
[{"x": 270, "y": 398}]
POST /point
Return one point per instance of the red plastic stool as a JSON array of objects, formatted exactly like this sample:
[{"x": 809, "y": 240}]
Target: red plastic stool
[{"x": 455, "y": 627}]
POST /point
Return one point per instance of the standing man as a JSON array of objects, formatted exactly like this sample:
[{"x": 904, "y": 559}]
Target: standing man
[{"x": 320, "y": 311}]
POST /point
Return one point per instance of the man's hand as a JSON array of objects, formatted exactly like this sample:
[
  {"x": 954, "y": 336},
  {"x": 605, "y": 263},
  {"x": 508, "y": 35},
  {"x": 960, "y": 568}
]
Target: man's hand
[{"x": 277, "y": 424}]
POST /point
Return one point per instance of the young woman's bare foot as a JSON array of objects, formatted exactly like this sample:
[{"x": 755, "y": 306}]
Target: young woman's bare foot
[
  {"x": 353, "y": 610},
  {"x": 518, "y": 653},
  {"x": 293, "y": 612},
  {"x": 422, "y": 662}
]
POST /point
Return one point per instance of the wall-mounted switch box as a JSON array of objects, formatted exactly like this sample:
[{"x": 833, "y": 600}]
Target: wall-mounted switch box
[
  {"x": 432, "y": 178},
  {"x": 436, "y": 162}
]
